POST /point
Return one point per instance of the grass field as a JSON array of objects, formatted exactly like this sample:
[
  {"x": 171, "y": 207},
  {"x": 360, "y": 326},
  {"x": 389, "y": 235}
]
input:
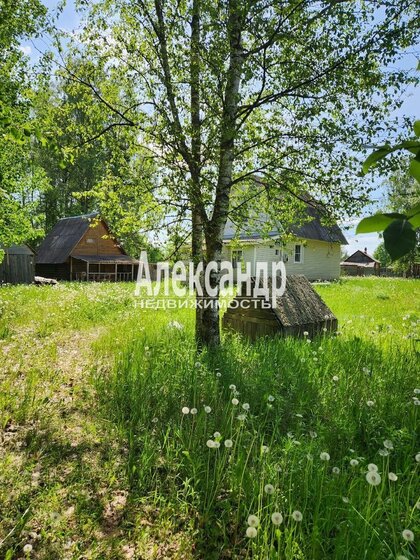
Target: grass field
[{"x": 291, "y": 449}]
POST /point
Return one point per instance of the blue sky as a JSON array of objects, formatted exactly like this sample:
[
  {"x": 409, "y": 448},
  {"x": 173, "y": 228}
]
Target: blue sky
[{"x": 69, "y": 20}]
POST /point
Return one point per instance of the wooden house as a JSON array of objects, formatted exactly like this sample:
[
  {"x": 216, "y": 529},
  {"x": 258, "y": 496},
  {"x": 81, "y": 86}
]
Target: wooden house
[
  {"x": 83, "y": 248},
  {"x": 299, "y": 310},
  {"x": 360, "y": 263},
  {"x": 18, "y": 265}
]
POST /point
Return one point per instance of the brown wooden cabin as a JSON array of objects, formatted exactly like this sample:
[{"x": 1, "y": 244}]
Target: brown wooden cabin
[
  {"x": 82, "y": 248},
  {"x": 360, "y": 263},
  {"x": 300, "y": 309},
  {"x": 18, "y": 265}
]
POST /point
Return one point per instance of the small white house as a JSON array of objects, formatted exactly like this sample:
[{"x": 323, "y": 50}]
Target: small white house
[{"x": 315, "y": 250}]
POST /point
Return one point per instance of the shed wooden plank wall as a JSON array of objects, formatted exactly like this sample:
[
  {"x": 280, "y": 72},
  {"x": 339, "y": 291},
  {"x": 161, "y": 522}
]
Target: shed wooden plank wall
[{"x": 17, "y": 269}]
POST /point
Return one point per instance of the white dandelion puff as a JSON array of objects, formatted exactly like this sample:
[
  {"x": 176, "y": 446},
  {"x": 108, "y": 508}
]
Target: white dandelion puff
[
  {"x": 235, "y": 402},
  {"x": 218, "y": 374},
  {"x": 392, "y": 476},
  {"x": 417, "y": 457},
  {"x": 207, "y": 409},
  {"x": 354, "y": 462},
  {"x": 27, "y": 549},
  {"x": 372, "y": 467},
  {"x": 245, "y": 406},
  {"x": 241, "y": 417},
  {"x": 313, "y": 434},
  {"x": 388, "y": 444},
  {"x": 336, "y": 470},
  {"x": 345, "y": 499},
  {"x": 324, "y": 456},
  {"x": 251, "y": 532},
  {"x": 335, "y": 378},
  {"x": 210, "y": 443},
  {"x": 228, "y": 443},
  {"x": 305, "y": 333},
  {"x": 417, "y": 391},
  {"x": 217, "y": 435},
  {"x": 270, "y": 398},
  {"x": 193, "y": 411},
  {"x": 297, "y": 515},
  {"x": 232, "y": 387},
  {"x": 408, "y": 535},
  {"x": 253, "y": 521},
  {"x": 277, "y": 518},
  {"x": 185, "y": 410},
  {"x": 265, "y": 449},
  {"x": 370, "y": 403},
  {"x": 269, "y": 489},
  {"x": 216, "y": 444},
  {"x": 373, "y": 478},
  {"x": 383, "y": 452}
]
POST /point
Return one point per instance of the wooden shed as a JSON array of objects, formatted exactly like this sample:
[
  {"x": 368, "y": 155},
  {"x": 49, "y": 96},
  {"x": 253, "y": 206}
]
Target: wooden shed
[
  {"x": 18, "y": 265},
  {"x": 83, "y": 248},
  {"x": 360, "y": 263},
  {"x": 299, "y": 310}
]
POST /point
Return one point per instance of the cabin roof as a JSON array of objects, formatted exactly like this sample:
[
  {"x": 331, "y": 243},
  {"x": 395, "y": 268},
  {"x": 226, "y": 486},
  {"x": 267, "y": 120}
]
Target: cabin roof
[
  {"x": 312, "y": 228},
  {"x": 63, "y": 238},
  {"x": 367, "y": 259}
]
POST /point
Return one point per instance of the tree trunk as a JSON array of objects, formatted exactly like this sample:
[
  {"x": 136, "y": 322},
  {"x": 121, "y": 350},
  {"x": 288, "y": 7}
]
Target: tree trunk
[{"x": 214, "y": 229}]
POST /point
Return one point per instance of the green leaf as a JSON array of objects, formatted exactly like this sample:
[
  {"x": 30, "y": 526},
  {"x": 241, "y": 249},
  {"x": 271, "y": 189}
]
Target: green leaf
[
  {"x": 378, "y": 222},
  {"x": 416, "y": 128},
  {"x": 375, "y": 157},
  {"x": 414, "y": 169},
  {"x": 399, "y": 239},
  {"x": 413, "y": 216}
]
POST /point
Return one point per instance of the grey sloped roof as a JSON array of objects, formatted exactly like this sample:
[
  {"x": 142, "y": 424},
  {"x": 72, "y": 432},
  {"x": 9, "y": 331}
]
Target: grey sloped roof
[
  {"x": 300, "y": 304},
  {"x": 22, "y": 249},
  {"x": 312, "y": 228},
  {"x": 62, "y": 239}
]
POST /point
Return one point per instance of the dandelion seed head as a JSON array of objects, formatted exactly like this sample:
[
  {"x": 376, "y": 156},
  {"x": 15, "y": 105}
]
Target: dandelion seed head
[
  {"x": 218, "y": 374},
  {"x": 372, "y": 467},
  {"x": 277, "y": 518},
  {"x": 297, "y": 515},
  {"x": 265, "y": 449},
  {"x": 235, "y": 402},
  {"x": 251, "y": 532},
  {"x": 270, "y": 398},
  {"x": 232, "y": 387},
  {"x": 313, "y": 434},
  {"x": 27, "y": 549},
  {"x": 392, "y": 476},
  {"x": 335, "y": 378},
  {"x": 155, "y": 420},
  {"x": 416, "y": 402},
  {"x": 354, "y": 462},
  {"x": 370, "y": 403},
  {"x": 269, "y": 489},
  {"x": 185, "y": 410},
  {"x": 210, "y": 443},
  {"x": 253, "y": 521},
  {"x": 383, "y": 452},
  {"x": 388, "y": 444},
  {"x": 408, "y": 535},
  {"x": 336, "y": 470},
  {"x": 345, "y": 499},
  {"x": 228, "y": 443},
  {"x": 207, "y": 409},
  {"x": 245, "y": 406},
  {"x": 241, "y": 417},
  {"x": 417, "y": 391},
  {"x": 193, "y": 411},
  {"x": 324, "y": 456},
  {"x": 373, "y": 478},
  {"x": 217, "y": 435},
  {"x": 305, "y": 333},
  {"x": 216, "y": 444}
]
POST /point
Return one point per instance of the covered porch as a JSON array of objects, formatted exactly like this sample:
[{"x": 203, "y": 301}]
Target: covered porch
[{"x": 103, "y": 268}]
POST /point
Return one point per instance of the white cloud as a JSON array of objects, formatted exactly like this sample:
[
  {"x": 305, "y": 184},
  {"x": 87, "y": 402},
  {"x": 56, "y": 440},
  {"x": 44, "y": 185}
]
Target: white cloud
[{"x": 26, "y": 49}]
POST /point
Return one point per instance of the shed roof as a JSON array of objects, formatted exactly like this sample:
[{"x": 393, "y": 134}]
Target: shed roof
[
  {"x": 63, "y": 238},
  {"x": 352, "y": 259},
  {"x": 312, "y": 228},
  {"x": 22, "y": 249}
]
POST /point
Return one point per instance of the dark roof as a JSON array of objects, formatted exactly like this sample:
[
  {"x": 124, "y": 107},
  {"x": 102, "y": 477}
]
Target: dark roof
[
  {"x": 63, "y": 238},
  {"x": 360, "y": 257},
  {"x": 310, "y": 229},
  {"x": 22, "y": 249},
  {"x": 106, "y": 259}
]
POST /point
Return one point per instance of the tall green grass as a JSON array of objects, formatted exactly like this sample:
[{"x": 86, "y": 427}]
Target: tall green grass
[{"x": 311, "y": 417}]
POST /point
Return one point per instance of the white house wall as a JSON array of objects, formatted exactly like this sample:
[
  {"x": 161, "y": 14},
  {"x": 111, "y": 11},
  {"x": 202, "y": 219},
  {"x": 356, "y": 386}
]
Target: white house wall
[{"x": 321, "y": 260}]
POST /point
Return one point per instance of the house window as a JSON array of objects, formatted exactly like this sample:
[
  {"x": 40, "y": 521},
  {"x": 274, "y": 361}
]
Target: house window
[
  {"x": 237, "y": 258},
  {"x": 298, "y": 254}
]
